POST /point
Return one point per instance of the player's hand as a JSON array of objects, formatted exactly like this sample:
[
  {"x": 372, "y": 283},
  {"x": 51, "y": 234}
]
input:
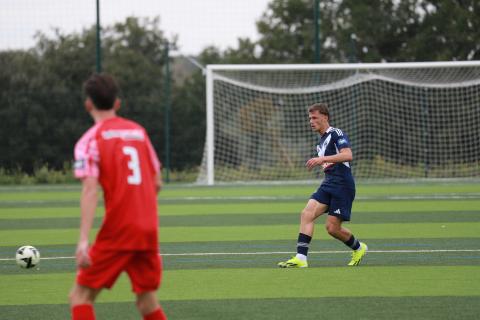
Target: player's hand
[
  {"x": 158, "y": 182},
  {"x": 83, "y": 259},
  {"x": 313, "y": 162},
  {"x": 158, "y": 186}
]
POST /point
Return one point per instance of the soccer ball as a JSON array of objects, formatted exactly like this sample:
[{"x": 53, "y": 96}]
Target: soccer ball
[{"x": 27, "y": 257}]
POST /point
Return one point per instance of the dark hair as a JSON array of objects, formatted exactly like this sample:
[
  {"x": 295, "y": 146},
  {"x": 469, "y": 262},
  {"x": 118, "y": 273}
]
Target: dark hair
[
  {"x": 102, "y": 90},
  {"x": 322, "y": 108}
]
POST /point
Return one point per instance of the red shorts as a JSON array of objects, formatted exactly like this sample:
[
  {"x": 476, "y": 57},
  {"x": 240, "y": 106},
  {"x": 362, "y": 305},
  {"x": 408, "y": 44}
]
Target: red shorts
[{"x": 144, "y": 269}]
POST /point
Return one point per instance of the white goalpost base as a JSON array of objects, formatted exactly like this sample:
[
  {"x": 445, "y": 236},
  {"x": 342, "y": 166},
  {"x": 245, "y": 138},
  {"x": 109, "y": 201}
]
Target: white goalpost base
[{"x": 404, "y": 120}]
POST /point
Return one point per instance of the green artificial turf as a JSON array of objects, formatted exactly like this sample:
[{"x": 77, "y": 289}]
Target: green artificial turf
[
  {"x": 275, "y": 232},
  {"x": 219, "y": 284},
  {"x": 221, "y": 245}
]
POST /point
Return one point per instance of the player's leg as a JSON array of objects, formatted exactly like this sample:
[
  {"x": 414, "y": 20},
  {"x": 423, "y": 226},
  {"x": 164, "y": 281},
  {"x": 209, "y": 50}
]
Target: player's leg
[
  {"x": 339, "y": 211},
  {"x": 105, "y": 268},
  {"x": 312, "y": 211},
  {"x": 334, "y": 227},
  {"x": 309, "y": 214},
  {"x": 148, "y": 306},
  {"x": 145, "y": 272},
  {"x": 81, "y": 302}
]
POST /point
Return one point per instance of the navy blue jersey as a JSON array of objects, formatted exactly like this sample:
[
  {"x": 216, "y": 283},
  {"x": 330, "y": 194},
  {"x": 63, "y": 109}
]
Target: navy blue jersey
[{"x": 330, "y": 143}]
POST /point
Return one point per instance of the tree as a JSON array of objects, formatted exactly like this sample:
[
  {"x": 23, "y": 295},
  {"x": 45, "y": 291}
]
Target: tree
[
  {"x": 188, "y": 115},
  {"x": 22, "y": 114},
  {"x": 370, "y": 31},
  {"x": 40, "y": 90},
  {"x": 135, "y": 54},
  {"x": 450, "y": 30}
]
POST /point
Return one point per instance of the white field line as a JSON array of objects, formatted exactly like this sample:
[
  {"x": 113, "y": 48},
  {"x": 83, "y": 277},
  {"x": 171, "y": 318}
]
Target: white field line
[
  {"x": 280, "y": 252},
  {"x": 445, "y": 196}
]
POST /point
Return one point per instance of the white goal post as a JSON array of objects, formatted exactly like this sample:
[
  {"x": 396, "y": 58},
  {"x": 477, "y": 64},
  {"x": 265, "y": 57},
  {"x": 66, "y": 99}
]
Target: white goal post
[{"x": 404, "y": 120}]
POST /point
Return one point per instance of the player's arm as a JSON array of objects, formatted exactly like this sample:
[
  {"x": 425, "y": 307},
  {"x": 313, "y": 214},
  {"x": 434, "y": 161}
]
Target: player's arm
[
  {"x": 88, "y": 205},
  {"x": 344, "y": 155},
  {"x": 156, "y": 165}
]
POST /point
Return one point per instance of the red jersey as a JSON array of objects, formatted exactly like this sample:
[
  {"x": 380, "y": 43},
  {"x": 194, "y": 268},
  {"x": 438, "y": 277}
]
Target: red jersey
[{"x": 119, "y": 153}]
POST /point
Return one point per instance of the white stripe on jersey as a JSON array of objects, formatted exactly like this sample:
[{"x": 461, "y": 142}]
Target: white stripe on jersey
[
  {"x": 338, "y": 131},
  {"x": 321, "y": 148}
]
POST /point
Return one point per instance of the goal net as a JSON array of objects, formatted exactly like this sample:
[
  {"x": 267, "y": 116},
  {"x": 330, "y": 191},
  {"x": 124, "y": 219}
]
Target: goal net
[{"x": 404, "y": 120}]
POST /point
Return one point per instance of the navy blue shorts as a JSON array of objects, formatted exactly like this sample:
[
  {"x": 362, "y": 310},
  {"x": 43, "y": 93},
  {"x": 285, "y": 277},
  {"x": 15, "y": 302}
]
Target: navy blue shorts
[{"x": 339, "y": 200}]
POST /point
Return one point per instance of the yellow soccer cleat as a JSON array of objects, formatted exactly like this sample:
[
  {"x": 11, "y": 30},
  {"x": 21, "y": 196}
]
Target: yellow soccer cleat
[
  {"x": 358, "y": 255},
  {"x": 293, "y": 263}
]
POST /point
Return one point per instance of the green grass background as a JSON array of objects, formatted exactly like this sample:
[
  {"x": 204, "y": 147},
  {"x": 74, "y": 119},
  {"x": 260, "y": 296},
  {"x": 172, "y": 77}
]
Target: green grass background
[{"x": 424, "y": 259}]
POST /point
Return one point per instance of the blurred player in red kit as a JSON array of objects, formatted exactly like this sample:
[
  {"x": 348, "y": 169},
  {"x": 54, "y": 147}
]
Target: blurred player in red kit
[{"x": 116, "y": 154}]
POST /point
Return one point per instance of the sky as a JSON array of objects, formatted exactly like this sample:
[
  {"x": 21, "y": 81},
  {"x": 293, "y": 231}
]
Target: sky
[{"x": 198, "y": 23}]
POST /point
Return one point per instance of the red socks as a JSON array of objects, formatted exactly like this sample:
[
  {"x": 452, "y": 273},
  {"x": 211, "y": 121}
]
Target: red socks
[
  {"x": 155, "y": 315},
  {"x": 83, "y": 312},
  {"x": 86, "y": 312}
]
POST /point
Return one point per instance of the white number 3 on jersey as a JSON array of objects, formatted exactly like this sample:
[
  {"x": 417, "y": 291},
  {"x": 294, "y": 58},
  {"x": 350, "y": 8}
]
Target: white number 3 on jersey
[{"x": 134, "y": 165}]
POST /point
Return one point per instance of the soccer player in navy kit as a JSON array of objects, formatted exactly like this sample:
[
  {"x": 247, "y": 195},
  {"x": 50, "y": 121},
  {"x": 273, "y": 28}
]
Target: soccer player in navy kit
[{"x": 335, "y": 194}]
